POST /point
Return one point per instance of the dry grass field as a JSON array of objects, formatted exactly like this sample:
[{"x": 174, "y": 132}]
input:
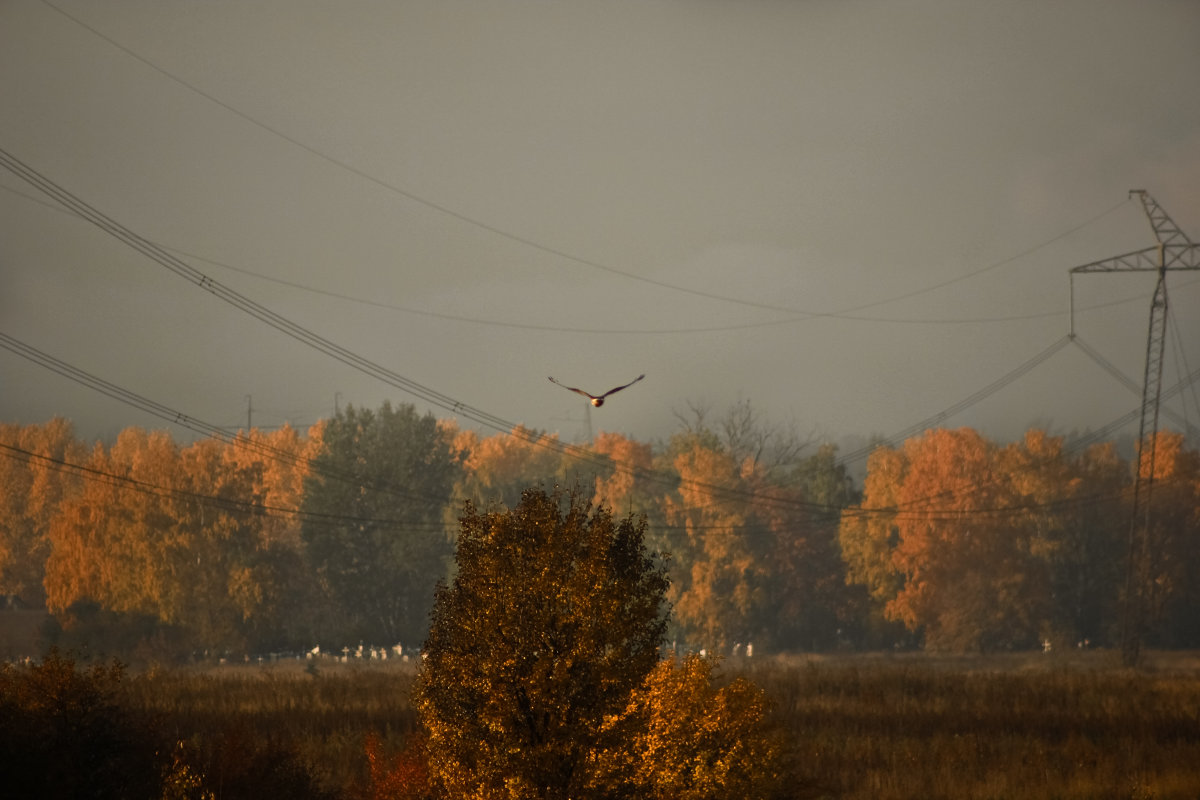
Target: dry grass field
[
  {"x": 882, "y": 727},
  {"x": 1018, "y": 726}
]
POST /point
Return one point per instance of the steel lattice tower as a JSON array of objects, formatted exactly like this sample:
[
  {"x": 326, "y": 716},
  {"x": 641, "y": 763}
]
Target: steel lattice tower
[{"x": 1174, "y": 251}]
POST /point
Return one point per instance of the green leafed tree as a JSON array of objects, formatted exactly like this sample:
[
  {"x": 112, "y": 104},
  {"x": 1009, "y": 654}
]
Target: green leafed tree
[
  {"x": 374, "y": 530},
  {"x": 555, "y": 616}
]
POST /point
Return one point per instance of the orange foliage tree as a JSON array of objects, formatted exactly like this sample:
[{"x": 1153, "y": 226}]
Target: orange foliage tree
[
  {"x": 619, "y": 487},
  {"x": 719, "y": 582},
  {"x": 160, "y": 532},
  {"x": 278, "y": 593},
  {"x": 966, "y": 541},
  {"x": 32, "y": 488},
  {"x": 748, "y": 564},
  {"x": 496, "y": 469}
]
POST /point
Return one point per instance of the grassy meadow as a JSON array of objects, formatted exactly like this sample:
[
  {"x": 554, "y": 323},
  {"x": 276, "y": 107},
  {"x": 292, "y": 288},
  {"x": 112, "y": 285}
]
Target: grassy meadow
[
  {"x": 882, "y": 727},
  {"x": 1022, "y": 726}
]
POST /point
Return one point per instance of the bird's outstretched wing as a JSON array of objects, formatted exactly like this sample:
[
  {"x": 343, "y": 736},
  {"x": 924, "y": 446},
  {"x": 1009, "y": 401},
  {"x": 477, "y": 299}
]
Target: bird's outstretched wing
[
  {"x": 619, "y": 388},
  {"x": 573, "y": 389}
]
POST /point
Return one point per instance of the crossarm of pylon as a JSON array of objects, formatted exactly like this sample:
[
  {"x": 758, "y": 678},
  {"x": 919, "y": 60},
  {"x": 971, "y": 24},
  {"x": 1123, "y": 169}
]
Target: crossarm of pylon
[{"x": 1174, "y": 257}]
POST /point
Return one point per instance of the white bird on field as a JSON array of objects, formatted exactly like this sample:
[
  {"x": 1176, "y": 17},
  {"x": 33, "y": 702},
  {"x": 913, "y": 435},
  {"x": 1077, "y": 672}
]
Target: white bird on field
[{"x": 598, "y": 399}]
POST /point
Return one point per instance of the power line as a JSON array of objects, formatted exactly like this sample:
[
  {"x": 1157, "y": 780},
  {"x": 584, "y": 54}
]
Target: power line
[
  {"x": 349, "y": 358},
  {"x": 536, "y": 245},
  {"x": 469, "y": 220},
  {"x": 193, "y": 424},
  {"x": 966, "y": 402},
  {"x": 168, "y": 492},
  {"x": 906, "y": 511},
  {"x": 845, "y": 314},
  {"x": 1132, "y": 386},
  {"x": 438, "y": 399}
]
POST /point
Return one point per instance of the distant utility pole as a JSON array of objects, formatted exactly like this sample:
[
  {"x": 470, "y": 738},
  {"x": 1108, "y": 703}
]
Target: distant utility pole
[
  {"x": 587, "y": 421},
  {"x": 249, "y": 414},
  {"x": 1174, "y": 251}
]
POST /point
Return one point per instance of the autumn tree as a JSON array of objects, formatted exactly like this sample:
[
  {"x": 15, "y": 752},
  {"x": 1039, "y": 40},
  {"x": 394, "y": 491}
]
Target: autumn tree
[
  {"x": 1087, "y": 561},
  {"x": 868, "y": 533},
  {"x": 34, "y": 482},
  {"x": 746, "y": 434},
  {"x": 279, "y": 462},
  {"x": 555, "y": 615},
  {"x": 751, "y": 529},
  {"x": 163, "y": 533},
  {"x": 720, "y": 575},
  {"x": 108, "y": 542},
  {"x": 374, "y": 527},
  {"x": 686, "y": 738},
  {"x": 965, "y": 571},
  {"x": 279, "y": 593},
  {"x": 980, "y": 546},
  {"x": 498, "y": 468},
  {"x": 215, "y": 553},
  {"x": 1072, "y": 506},
  {"x": 619, "y": 486}
]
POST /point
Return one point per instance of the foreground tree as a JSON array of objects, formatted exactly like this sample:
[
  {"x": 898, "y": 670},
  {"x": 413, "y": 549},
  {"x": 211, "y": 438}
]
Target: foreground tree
[
  {"x": 555, "y": 616},
  {"x": 692, "y": 740}
]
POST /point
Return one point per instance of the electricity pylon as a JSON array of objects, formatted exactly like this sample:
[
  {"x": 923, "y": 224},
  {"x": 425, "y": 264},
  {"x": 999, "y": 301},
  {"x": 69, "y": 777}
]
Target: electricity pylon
[
  {"x": 1174, "y": 251},
  {"x": 587, "y": 422}
]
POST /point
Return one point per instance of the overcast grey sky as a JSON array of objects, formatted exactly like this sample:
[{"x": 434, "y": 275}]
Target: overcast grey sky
[{"x": 853, "y": 214}]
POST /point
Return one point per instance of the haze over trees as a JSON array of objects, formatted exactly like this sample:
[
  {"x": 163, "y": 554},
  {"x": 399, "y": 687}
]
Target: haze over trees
[
  {"x": 372, "y": 525},
  {"x": 283, "y": 540}
]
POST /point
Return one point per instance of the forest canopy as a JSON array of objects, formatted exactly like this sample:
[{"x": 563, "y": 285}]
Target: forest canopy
[{"x": 286, "y": 540}]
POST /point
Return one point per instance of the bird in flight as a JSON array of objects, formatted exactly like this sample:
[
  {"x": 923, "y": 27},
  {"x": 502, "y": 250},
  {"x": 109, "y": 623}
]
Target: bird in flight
[{"x": 598, "y": 399}]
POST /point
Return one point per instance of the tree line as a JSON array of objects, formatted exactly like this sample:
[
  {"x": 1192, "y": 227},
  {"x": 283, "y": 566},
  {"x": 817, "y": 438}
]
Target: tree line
[{"x": 275, "y": 541}]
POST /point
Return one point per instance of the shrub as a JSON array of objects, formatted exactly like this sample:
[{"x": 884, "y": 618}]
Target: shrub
[{"x": 64, "y": 735}]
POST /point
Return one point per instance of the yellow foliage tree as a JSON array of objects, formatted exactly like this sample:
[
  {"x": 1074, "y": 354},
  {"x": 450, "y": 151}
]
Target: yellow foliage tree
[
  {"x": 496, "y": 469},
  {"x": 278, "y": 462},
  {"x": 554, "y": 615},
  {"x": 868, "y": 532},
  {"x": 722, "y": 580},
  {"x": 685, "y": 738},
  {"x": 620, "y": 488}
]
